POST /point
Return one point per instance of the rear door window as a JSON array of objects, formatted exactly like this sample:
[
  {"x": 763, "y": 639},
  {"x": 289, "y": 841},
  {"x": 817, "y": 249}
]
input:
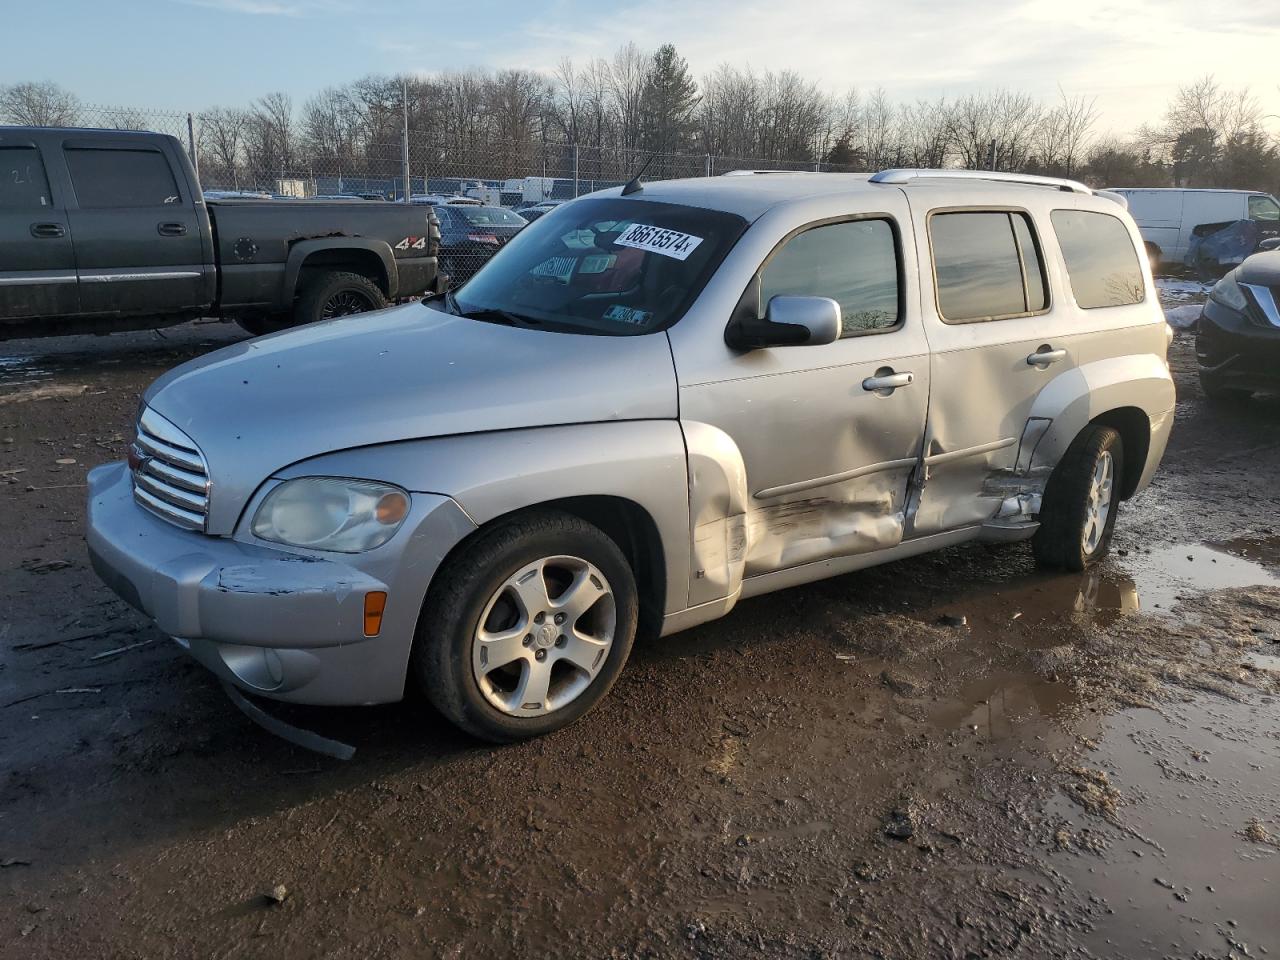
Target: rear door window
[
  {"x": 1263, "y": 208},
  {"x": 854, "y": 263},
  {"x": 987, "y": 265},
  {"x": 23, "y": 184},
  {"x": 1102, "y": 262},
  {"x": 121, "y": 178}
]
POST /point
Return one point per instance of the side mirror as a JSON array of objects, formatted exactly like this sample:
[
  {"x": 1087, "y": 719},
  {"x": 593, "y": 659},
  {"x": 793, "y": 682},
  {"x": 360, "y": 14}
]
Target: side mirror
[
  {"x": 789, "y": 322},
  {"x": 1272, "y": 243}
]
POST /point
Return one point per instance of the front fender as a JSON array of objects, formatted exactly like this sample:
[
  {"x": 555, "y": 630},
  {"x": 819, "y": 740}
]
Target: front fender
[
  {"x": 718, "y": 513},
  {"x": 492, "y": 474},
  {"x": 1075, "y": 398}
]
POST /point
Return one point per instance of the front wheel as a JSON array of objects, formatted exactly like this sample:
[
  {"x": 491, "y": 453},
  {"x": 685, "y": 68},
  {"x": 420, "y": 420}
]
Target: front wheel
[
  {"x": 527, "y": 627},
  {"x": 1078, "y": 513}
]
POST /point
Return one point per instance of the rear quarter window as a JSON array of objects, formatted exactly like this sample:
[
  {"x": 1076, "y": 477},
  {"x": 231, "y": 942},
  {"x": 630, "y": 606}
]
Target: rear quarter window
[{"x": 1102, "y": 262}]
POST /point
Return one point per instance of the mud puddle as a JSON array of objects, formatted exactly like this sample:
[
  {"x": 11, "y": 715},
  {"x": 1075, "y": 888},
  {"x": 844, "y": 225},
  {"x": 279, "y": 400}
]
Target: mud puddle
[
  {"x": 1194, "y": 844},
  {"x": 1152, "y": 581}
]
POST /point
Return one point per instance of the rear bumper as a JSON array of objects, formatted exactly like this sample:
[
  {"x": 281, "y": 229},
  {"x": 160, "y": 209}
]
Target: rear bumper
[{"x": 276, "y": 623}]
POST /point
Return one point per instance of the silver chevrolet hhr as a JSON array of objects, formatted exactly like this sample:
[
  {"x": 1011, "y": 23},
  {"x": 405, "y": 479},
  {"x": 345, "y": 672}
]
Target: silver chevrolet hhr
[{"x": 653, "y": 402}]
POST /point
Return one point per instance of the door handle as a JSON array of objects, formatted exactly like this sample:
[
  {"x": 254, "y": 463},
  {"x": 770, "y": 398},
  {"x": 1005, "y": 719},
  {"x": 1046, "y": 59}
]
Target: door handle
[
  {"x": 886, "y": 381},
  {"x": 46, "y": 231},
  {"x": 171, "y": 229},
  {"x": 1044, "y": 356}
]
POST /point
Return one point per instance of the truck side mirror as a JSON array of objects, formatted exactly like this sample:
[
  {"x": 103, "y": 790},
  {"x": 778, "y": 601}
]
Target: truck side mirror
[{"x": 789, "y": 322}]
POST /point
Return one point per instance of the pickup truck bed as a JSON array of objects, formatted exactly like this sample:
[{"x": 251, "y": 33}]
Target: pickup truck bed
[{"x": 105, "y": 230}]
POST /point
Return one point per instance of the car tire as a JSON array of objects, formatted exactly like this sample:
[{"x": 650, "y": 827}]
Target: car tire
[
  {"x": 332, "y": 294},
  {"x": 486, "y": 598},
  {"x": 1216, "y": 392},
  {"x": 1081, "y": 499}
]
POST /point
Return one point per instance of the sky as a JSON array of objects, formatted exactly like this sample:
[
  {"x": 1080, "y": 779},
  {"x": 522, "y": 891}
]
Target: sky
[{"x": 192, "y": 54}]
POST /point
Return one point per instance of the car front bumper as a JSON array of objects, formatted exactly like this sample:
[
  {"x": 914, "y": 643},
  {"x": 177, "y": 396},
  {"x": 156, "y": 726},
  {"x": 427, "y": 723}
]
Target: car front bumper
[
  {"x": 282, "y": 624},
  {"x": 1237, "y": 350}
]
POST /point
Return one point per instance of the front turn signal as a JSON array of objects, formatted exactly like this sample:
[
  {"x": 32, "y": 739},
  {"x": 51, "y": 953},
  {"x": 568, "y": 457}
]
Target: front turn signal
[{"x": 375, "y": 602}]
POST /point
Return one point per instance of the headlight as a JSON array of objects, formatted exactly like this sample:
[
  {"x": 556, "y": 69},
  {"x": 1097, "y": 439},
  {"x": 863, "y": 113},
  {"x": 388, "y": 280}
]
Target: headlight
[
  {"x": 1228, "y": 293},
  {"x": 329, "y": 513}
]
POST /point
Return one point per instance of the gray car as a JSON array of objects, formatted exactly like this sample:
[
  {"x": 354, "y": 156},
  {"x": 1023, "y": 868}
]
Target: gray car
[{"x": 651, "y": 403}]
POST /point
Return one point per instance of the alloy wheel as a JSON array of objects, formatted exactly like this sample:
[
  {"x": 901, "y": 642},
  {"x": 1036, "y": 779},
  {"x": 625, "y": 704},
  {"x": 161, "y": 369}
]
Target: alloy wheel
[{"x": 544, "y": 635}]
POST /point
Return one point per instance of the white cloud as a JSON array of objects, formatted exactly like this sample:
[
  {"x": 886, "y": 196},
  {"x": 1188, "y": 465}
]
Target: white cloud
[
  {"x": 1131, "y": 55},
  {"x": 274, "y": 8}
]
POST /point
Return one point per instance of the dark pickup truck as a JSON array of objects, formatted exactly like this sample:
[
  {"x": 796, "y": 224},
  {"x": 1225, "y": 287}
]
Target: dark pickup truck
[{"x": 105, "y": 230}]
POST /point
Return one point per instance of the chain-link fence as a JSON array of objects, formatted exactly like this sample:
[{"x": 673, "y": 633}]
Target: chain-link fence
[
  {"x": 257, "y": 154},
  {"x": 239, "y": 153}
]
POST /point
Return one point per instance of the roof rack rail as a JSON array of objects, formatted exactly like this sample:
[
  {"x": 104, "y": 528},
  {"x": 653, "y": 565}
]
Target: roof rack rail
[
  {"x": 905, "y": 175},
  {"x": 750, "y": 173}
]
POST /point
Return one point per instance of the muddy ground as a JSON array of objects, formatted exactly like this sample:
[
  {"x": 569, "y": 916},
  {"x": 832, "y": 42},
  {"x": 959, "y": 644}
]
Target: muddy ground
[{"x": 1084, "y": 766}]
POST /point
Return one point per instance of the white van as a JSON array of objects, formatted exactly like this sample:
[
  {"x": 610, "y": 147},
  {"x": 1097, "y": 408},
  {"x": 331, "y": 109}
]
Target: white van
[{"x": 1167, "y": 218}]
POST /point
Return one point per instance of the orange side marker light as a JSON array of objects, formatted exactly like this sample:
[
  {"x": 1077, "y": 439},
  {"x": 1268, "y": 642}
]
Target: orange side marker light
[{"x": 375, "y": 602}]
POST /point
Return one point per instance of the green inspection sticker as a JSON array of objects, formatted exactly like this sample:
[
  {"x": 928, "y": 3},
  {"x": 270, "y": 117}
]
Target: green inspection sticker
[{"x": 629, "y": 315}]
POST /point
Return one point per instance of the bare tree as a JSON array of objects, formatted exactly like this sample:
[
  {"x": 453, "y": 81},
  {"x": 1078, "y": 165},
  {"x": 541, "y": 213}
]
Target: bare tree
[
  {"x": 38, "y": 105},
  {"x": 924, "y": 132},
  {"x": 995, "y": 130},
  {"x": 221, "y": 140},
  {"x": 878, "y": 129},
  {"x": 1062, "y": 139},
  {"x": 628, "y": 76},
  {"x": 269, "y": 138}
]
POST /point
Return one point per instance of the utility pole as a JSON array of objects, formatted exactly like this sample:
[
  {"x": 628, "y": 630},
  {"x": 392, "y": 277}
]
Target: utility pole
[
  {"x": 991, "y": 155},
  {"x": 404, "y": 143}
]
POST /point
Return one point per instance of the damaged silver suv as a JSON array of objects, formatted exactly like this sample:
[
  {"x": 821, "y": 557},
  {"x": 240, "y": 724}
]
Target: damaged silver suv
[{"x": 653, "y": 402}]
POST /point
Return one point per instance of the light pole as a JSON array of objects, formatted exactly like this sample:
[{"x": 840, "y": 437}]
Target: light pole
[{"x": 404, "y": 142}]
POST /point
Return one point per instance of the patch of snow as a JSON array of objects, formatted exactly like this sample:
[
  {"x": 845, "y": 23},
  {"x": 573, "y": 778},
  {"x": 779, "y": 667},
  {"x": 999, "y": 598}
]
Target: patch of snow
[
  {"x": 1183, "y": 316},
  {"x": 1182, "y": 290}
]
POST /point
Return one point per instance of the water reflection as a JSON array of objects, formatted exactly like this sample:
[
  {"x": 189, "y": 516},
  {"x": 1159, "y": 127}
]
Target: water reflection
[{"x": 1045, "y": 610}]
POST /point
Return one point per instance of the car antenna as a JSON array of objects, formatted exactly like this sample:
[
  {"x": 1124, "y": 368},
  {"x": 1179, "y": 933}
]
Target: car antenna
[{"x": 634, "y": 185}]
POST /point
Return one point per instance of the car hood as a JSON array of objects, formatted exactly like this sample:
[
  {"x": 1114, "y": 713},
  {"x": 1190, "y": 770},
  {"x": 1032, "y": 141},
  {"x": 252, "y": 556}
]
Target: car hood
[{"x": 410, "y": 372}]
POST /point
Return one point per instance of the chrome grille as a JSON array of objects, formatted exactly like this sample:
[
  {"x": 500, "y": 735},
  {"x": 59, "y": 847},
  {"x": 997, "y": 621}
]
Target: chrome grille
[{"x": 170, "y": 476}]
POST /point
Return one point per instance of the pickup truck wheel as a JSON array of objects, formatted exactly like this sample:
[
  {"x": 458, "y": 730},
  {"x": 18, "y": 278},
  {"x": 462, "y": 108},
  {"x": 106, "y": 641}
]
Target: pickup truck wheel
[
  {"x": 333, "y": 294},
  {"x": 1078, "y": 514},
  {"x": 527, "y": 627}
]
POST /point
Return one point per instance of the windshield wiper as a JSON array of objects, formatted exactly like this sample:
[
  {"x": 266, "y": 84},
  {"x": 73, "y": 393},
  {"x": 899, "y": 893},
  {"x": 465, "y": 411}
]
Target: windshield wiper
[{"x": 491, "y": 315}]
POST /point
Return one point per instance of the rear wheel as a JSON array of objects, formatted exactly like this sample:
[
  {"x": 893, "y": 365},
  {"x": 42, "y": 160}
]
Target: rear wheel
[
  {"x": 333, "y": 294},
  {"x": 1081, "y": 500},
  {"x": 527, "y": 627}
]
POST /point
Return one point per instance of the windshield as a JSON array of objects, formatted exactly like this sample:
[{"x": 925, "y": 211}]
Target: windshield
[
  {"x": 613, "y": 266},
  {"x": 488, "y": 216}
]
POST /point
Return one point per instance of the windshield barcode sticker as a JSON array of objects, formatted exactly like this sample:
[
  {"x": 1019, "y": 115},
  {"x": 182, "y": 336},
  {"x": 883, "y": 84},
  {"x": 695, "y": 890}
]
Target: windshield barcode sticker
[{"x": 669, "y": 243}]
